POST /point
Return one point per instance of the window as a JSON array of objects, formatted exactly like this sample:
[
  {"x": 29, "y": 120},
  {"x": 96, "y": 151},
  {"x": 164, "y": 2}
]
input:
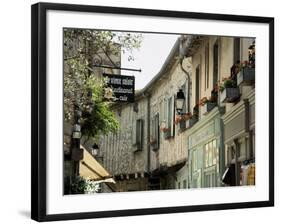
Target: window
[
  {"x": 216, "y": 64},
  {"x": 210, "y": 180},
  {"x": 155, "y": 132},
  {"x": 211, "y": 153},
  {"x": 184, "y": 184},
  {"x": 183, "y": 87},
  {"x": 170, "y": 117},
  {"x": 197, "y": 86},
  {"x": 207, "y": 66},
  {"x": 194, "y": 160},
  {"x": 170, "y": 113},
  {"x": 236, "y": 49},
  {"x": 139, "y": 134}
]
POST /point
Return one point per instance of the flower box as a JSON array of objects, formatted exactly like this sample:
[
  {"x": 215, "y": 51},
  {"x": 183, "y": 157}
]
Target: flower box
[
  {"x": 154, "y": 144},
  {"x": 190, "y": 122},
  {"x": 246, "y": 76},
  {"x": 182, "y": 125},
  {"x": 229, "y": 95},
  {"x": 208, "y": 106},
  {"x": 167, "y": 134}
]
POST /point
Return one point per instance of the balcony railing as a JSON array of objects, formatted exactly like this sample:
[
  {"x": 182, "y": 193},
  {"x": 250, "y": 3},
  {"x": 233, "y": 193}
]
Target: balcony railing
[
  {"x": 229, "y": 95},
  {"x": 246, "y": 76}
]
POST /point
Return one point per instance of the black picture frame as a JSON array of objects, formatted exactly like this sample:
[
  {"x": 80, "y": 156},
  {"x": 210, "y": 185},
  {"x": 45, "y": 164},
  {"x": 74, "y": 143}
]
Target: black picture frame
[{"x": 39, "y": 114}]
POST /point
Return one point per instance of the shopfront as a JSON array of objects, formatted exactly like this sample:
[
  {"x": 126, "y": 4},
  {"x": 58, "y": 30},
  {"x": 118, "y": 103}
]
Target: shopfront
[
  {"x": 239, "y": 126},
  {"x": 205, "y": 148}
]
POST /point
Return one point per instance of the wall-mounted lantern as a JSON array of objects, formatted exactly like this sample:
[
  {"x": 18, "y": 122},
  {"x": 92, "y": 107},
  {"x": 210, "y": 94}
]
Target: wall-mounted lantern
[
  {"x": 180, "y": 101},
  {"x": 95, "y": 149}
]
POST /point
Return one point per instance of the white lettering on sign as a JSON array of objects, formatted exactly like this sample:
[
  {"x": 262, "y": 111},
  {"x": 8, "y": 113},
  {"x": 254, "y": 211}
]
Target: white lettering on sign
[
  {"x": 121, "y": 90},
  {"x": 115, "y": 81},
  {"x": 128, "y": 82},
  {"x": 123, "y": 98}
]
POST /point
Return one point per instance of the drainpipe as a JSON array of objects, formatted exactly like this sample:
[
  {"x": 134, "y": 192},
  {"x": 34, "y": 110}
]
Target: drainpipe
[
  {"x": 148, "y": 134},
  {"x": 182, "y": 56}
]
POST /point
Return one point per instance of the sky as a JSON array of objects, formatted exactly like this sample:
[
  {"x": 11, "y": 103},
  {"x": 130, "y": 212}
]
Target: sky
[{"x": 150, "y": 57}]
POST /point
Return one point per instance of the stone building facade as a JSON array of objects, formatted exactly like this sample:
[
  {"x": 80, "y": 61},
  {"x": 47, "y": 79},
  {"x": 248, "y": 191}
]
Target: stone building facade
[
  {"x": 158, "y": 148},
  {"x": 239, "y": 122},
  {"x": 223, "y": 125},
  {"x": 144, "y": 155}
]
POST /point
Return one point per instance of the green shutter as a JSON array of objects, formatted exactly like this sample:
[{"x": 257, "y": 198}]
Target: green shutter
[
  {"x": 134, "y": 134},
  {"x": 139, "y": 134},
  {"x": 173, "y": 115},
  {"x": 155, "y": 131}
]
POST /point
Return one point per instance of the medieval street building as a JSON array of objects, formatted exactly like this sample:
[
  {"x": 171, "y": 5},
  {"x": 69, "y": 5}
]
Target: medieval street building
[
  {"x": 158, "y": 149},
  {"x": 191, "y": 126}
]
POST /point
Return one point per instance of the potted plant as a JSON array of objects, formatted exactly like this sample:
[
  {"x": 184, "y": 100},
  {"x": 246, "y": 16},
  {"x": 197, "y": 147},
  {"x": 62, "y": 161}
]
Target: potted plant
[
  {"x": 229, "y": 92},
  {"x": 246, "y": 75},
  {"x": 152, "y": 140},
  {"x": 166, "y": 131},
  {"x": 178, "y": 119},
  {"x": 193, "y": 118},
  {"x": 207, "y": 104},
  {"x": 181, "y": 120}
]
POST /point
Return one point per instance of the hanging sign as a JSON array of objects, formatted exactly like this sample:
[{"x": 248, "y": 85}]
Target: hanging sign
[{"x": 121, "y": 86}]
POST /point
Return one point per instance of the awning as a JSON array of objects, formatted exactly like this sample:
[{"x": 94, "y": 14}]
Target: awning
[
  {"x": 91, "y": 169},
  {"x": 228, "y": 176}
]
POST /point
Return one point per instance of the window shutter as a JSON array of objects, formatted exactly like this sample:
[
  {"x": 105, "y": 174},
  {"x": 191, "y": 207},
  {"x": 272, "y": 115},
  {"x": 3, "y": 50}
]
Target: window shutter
[
  {"x": 170, "y": 124},
  {"x": 153, "y": 128},
  {"x": 139, "y": 134},
  {"x": 170, "y": 117},
  {"x": 134, "y": 134},
  {"x": 167, "y": 112},
  {"x": 157, "y": 131}
]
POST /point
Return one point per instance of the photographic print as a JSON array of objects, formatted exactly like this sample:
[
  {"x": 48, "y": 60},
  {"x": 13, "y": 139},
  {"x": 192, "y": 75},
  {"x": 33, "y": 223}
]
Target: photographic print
[
  {"x": 140, "y": 111},
  {"x": 155, "y": 111}
]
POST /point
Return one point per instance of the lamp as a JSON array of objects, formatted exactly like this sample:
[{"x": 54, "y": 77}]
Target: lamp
[
  {"x": 180, "y": 101},
  {"x": 95, "y": 149}
]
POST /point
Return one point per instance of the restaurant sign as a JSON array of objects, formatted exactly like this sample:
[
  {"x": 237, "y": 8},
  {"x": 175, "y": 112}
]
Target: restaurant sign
[{"x": 122, "y": 87}]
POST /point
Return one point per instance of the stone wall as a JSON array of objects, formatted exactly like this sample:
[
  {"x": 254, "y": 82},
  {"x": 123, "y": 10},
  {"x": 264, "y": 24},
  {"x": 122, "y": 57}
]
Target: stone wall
[
  {"x": 119, "y": 151},
  {"x": 173, "y": 150}
]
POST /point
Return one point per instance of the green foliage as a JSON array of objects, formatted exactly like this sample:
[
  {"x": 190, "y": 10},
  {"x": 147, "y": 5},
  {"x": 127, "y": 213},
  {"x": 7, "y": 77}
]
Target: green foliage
[
  {"x": 101, "y": 120},
  {"x": 83, "y": 84},
  {"x": 228, "y": 83},
  {"x": 82, "y": 185}
]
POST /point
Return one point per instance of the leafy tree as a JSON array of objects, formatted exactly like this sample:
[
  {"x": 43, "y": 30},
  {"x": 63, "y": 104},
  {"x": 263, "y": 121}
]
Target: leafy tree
[
  {"x": 83, "y": 83},
  {"x": 81, "y": 185}
]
